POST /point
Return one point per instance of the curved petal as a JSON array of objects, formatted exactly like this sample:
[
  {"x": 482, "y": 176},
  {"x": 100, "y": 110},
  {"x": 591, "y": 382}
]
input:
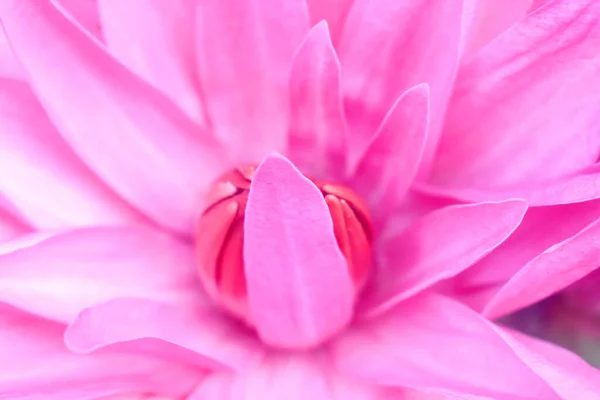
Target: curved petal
[
  {"x": 294, "y": 267},
  {"x": 289, "y": 377},
  {"x": 42, "y": 177},
  {"x": 523, "y": 100},
  {"x": 156, "y": 40},
  {"x": 542, "y": 228},
  {"x": 439, "y": 246},
  {"x": 390, "y": 46},
  {"x": 556, "y": 268},
  {"x": 317, "y": 136},
  {"x": 127, "y": 132},
  {"x": 191, "y": 334},
  {"x": 244, "y": 53},
  {"x": 59, "y": 274},
  {"x": 576, "y": 188},
  {"x": 388, "y": 166},
  {"x": 334, "y": 12},
  {"x": 434, "y": 343},
  {"x": 35, "y": 364}
]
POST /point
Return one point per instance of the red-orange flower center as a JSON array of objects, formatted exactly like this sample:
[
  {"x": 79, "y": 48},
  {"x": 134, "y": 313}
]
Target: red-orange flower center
[{"x": 220, "y": 235}]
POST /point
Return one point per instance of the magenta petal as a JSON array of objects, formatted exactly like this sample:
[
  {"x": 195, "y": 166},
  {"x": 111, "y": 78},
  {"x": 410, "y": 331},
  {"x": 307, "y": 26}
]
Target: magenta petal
[
  {"x": 389, "y": 46},
  {"x": 517, "y": 105},
  {"x": 439, "y": 246},
  {"x": 556, "y": 268},
  {"x": 42, "y": 177},
  {"x": 432, "y": 342},
  {"x": 389, "y": 164},
  {"x": 126, "y": 131},
  {"x": 155, "y": 39},
  {"x": 244, "y": 53},
  {"x": 191, "y": 334},
  {"x": 56, "y": 275},
  {"x": 299, "y": 287},
  {"x": 317, "y": 133},
  {"x": 35, "y": 364}
]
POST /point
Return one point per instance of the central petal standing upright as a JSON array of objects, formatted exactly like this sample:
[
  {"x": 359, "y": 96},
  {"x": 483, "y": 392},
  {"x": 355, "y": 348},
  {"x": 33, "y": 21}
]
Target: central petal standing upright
[{"x": 298, "y": 250}]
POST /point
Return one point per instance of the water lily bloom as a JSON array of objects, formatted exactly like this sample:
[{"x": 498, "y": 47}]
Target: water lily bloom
[{"x": 290, "y": 199}]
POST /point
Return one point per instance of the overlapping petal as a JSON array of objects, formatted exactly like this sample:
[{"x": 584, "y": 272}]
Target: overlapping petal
[
  {"x": 435, "y": 343},
  {"x": 525, "y": 98},
  {"x": 317, "y": 136},
  {"x": 439, "y": 246},
  {"x": 155, "y": 39},
  {"x": 42, "y": 178},
  {"x": 57, "y": 275},
  {"x": 34, "y": 364},
  {"x": 188, "y": 333},
  {"x": 126, "y": 131},
  {"x": 244, "y": 53},
  {"x": 391, "y": 160},
  {"x": 388, "y": 47}
]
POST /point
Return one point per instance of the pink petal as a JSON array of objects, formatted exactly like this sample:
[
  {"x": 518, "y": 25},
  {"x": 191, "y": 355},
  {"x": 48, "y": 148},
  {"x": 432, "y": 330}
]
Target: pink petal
[
  {"x": 191, "y": 334},
  {"x": 155, "y": 39},
  {"x": 568, "y": 375},
  {"x": 332, "y": 11},
  {"x": 390, "y": 46},
  {"x": 525, "y": 98},
  {"x": 317, "y": 134},
  {"x": 244, "y": 53},
  {"x": 575, "y": 188},
  {"x": 36, "y": 365},
  {"x": 299, "y": 287},
  {"x": 85, "y": 12},
  {"x": 542, "y": 228},
  {"x": 439, "y": 246},
  {"x": 490, "y": 18},
  {"x": 127, "y": 132},
  {"x": 41, "y": 176},
  {"x": 60, "y": 274},
  {"x": 288, "y": 376},
  {"x": 554, "y": 269},
  {"x": 434, "y": 343},
  {"x": 388, "y": 166}
]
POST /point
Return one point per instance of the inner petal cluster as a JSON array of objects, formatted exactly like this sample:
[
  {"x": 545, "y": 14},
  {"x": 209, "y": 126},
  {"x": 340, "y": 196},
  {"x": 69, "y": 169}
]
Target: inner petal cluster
[{"x": 220, "y": 236}]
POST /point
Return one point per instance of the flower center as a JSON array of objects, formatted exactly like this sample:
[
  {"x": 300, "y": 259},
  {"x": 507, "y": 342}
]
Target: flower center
[{"x": 220, "y": 236}]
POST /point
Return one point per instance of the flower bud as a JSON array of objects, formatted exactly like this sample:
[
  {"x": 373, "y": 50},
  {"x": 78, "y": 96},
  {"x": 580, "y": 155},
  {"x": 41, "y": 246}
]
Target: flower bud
[{"x": 220, "y": 236}]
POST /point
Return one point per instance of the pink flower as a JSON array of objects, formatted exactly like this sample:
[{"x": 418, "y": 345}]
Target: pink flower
[{"x": 118, "y": 117}]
